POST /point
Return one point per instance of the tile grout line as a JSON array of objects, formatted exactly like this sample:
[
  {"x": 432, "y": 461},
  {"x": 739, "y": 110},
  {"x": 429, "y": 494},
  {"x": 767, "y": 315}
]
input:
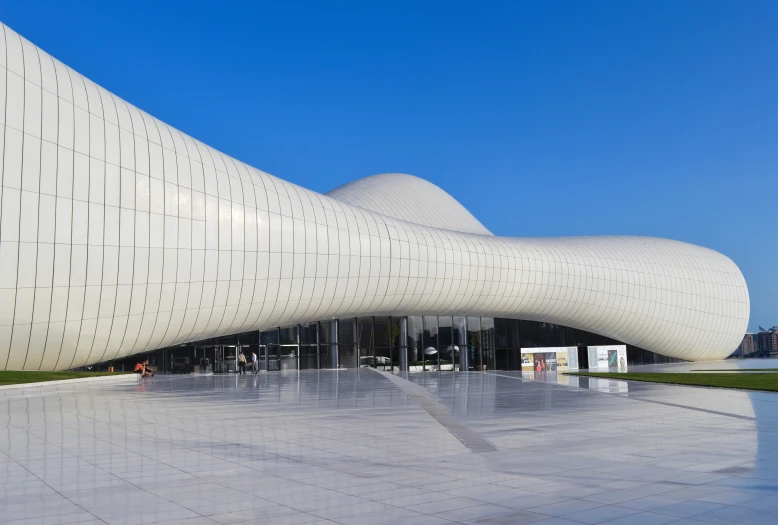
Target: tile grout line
[{"x": 468, "y": 437}]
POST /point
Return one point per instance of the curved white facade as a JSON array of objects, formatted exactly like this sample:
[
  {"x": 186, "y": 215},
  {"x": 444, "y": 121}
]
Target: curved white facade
[
  {"x": 120, "y": 234},
  {"x": 410, "y": 199}
]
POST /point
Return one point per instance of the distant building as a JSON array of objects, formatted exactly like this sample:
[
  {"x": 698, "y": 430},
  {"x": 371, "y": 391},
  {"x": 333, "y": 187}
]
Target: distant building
[
  {"x": 767, "y": 341},
  {"x": 747, "y": 346}
]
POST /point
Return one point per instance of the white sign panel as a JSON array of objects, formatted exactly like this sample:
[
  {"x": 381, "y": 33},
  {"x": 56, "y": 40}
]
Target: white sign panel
[
  {"x": 608, "y": 356},
  {"x": 572, "y": 359}
]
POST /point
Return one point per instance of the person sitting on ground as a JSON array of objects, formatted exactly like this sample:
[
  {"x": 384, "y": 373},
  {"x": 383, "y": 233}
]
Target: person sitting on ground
[{"x": 143, "y": 369}]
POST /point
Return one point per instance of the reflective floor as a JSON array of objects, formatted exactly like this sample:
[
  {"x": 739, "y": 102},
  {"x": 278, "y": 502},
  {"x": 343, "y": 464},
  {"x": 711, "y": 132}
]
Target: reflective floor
[{"x": 359, "y": 447}]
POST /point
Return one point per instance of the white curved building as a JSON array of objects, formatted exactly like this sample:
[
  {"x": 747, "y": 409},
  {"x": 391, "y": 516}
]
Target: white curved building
[
  {"x": 120, "y": 234},
  {"x": 409, "y": 199}
]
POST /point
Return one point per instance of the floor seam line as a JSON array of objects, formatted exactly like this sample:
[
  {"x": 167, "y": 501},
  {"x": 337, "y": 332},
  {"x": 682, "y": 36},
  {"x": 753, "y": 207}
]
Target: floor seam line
[{"x": 440, "y": 413}]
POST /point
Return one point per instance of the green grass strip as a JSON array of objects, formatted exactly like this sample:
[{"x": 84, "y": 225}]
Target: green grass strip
[
  {"x": 737, "y": 370},
  {"x": 15, "y": 377},
  {"x": 763, "y": 382}
]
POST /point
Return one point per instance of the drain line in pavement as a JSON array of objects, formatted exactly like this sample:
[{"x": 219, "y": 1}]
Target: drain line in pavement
[{"x": 440, "y": 412}]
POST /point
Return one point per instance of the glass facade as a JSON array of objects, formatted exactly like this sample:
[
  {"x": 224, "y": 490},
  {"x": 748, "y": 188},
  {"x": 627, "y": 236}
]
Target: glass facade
[{"x": 414, "y": 344}]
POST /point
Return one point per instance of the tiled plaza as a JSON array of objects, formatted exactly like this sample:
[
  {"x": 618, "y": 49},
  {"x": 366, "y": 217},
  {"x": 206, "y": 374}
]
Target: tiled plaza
[{"x": 360, "y": 447}]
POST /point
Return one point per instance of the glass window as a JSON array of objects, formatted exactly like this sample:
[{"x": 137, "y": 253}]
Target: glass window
[
  {"x": 365, "y": 338},
  {"x": 347, "y": 355},
  {"x": 288, "y": 335},
  {"x": 382, "y": 339},
  {"x": 249, "y": 338},
  {"x": 501, "y": 333},
  {"x": 308, "y": 357},
  {"x": 415, "y": 331},
  {"x": 346, "y": 331},
  {"x": 445, "y": 347},
  {"x": 325, "y": 356},
  {"x": 430, "y": 331},
  {"x": 512, "y": 326},
  {"x": 550, "y": 334},
  {"x": 445, "y": 330},
  {"x": 460, "y": 355},
  {"x": 382, "y": 359},
  {"x": 327, "y": 331},
  {"x": 382, "y": 336},
  {"x": 430, "y": 342},
  {"x": 308, "y": 333},
  {"x": 180, "y": 360},
  {"x": 269, "y": 337},
  {"x": 396, "y": 342},
  {"x": 501, "y": 359},
  {"x": 459, "y": 331},
  {"x": 365, "y": 328}
]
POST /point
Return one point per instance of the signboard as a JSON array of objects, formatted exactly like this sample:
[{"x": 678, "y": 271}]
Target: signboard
[
  {"x": 572, "y": 358},
  {"x": 608, "y": 356},
  {"x": 549, "y": 359},
  {"x": 527, "y": 361}
]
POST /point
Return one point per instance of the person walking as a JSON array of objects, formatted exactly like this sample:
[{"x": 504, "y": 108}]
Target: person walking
[
  {"x": 241, "y": 363},
  {"x": 254, "y": 362}
]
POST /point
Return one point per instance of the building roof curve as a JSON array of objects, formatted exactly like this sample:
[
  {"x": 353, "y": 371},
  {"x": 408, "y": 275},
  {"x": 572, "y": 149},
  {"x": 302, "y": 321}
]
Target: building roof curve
[{"x": 411, "y": 199}]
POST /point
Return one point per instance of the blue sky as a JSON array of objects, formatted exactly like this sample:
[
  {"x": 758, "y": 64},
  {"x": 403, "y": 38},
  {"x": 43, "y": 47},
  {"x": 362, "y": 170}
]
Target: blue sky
[{"x": 543, "y": 118}]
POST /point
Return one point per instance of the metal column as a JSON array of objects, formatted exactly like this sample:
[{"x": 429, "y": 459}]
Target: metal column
[
  {"x": 335, "y": 337},
  {"x": 464, "y": 351},
  {"x": 318, "y": 348},
  {"x": 403, "y": 344},
  {"x": 357, "y": 340},
  {"x": 297, "y": 340}
]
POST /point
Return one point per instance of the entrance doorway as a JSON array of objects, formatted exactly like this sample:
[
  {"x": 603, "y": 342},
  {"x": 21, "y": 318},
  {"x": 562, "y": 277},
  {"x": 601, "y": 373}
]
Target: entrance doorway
[{"x": 225, "y": 359}]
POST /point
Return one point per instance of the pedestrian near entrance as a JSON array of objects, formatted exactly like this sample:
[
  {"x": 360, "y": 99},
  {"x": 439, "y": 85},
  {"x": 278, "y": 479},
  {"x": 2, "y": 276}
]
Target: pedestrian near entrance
[
  {"x": 241, "y": 363},
  {"x": 254, "y": 362}
]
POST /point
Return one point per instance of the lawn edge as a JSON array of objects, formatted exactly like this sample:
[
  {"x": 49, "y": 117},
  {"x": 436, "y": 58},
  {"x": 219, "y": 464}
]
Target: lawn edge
[
  {"x": 73, "y": 380},
  {"x": 599, "y": 376}
]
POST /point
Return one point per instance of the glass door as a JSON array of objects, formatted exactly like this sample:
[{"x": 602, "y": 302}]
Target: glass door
[
  {"x": 225, "y": 359},
  {"x": 203, "y": 359},
  {"x": 230, "y": 358},
  {"x": 262, "y": 357},
  {"x": 273, "y": 360},
  {"x": 218, "y": 360}
]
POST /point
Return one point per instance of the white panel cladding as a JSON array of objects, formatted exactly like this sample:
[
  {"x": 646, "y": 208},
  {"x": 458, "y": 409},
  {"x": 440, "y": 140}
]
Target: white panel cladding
[
  {"x": 411, "y": 199},
  {"x": 120, "y": 234}
]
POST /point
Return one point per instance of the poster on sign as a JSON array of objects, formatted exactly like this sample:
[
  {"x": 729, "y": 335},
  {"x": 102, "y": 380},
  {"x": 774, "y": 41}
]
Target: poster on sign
[
  {"x": 549, "y": 359},
  {"x": 540, "y": 362},
  {"x": 608, "y": 356}
]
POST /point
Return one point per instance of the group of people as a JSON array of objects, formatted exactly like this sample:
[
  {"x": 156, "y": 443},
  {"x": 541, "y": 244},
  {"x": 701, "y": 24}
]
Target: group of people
[
  {"x": 144, "y": 370},
  {"x": 242, "y": 362}
]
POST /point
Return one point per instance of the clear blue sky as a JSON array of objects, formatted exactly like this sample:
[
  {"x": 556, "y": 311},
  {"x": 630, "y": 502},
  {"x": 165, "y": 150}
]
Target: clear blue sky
[{"x": 543, "y": 118}]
